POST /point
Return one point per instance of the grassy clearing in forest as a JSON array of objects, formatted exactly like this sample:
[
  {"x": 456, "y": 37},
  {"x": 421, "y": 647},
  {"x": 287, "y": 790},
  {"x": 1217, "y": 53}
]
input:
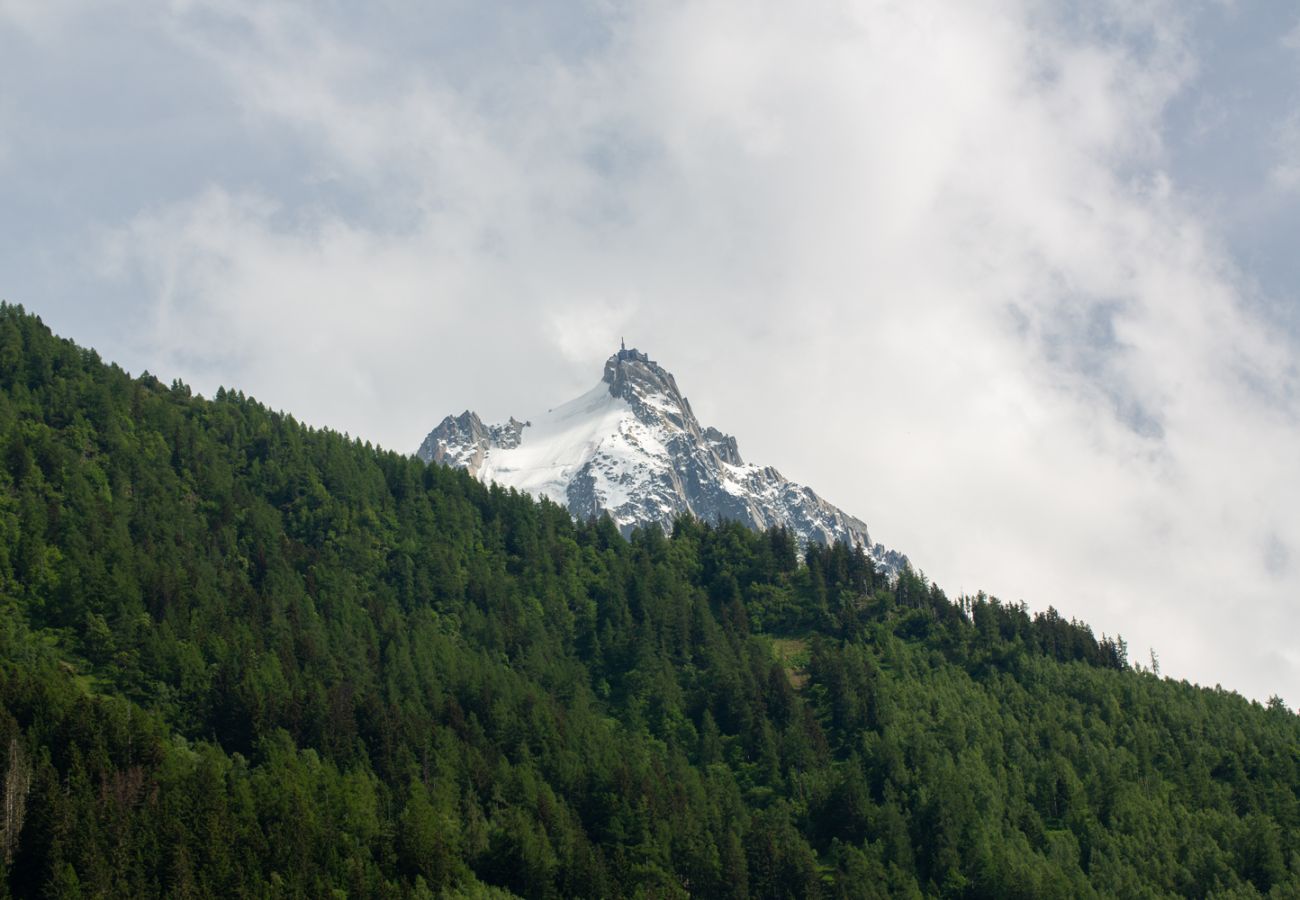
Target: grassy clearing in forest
[{"x": 793, "y": 654}]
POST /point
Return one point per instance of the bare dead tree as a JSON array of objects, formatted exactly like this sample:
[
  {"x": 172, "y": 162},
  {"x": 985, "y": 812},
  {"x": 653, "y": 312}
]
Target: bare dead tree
[{"x": 18, "y": 781}]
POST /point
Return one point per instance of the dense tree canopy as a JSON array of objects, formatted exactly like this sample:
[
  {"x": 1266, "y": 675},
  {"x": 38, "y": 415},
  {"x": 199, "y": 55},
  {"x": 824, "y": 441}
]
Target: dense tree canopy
[{"x": 244, "y": 657}]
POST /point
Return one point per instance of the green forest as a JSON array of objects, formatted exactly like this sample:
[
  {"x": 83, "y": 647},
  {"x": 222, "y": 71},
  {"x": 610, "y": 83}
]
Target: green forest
[{"x": 245, "y": 657}]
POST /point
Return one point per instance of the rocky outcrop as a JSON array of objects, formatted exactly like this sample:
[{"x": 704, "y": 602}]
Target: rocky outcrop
[{"x": 463, "y": 441}]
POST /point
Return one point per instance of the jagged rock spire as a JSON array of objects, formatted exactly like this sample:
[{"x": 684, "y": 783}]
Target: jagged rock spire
[{"x": 632, "y": 447}]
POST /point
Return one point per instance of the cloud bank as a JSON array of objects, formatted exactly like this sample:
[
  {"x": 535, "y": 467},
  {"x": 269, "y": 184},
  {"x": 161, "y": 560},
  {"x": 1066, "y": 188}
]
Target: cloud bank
[{"x": 925, "y": 257}]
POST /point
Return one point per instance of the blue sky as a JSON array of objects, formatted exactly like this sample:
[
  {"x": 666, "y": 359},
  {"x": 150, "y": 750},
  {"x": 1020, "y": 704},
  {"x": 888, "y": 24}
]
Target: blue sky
[
  {"x": 1234, "y": 143},
  {"x": 1013, "y": 282}
]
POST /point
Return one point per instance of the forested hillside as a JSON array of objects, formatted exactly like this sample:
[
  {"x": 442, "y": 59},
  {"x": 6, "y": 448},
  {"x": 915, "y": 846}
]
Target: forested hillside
[{"x": 243, "y": 657}]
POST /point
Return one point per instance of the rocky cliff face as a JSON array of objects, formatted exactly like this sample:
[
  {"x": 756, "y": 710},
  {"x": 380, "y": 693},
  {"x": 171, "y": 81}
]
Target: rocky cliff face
[
  {"x": 632, "y": 447},
  {"x": 463, "y": 441}
]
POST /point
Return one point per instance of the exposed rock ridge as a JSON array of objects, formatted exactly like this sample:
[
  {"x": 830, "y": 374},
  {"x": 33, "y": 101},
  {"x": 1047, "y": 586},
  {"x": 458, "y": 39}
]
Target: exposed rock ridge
[{"x": 463, "y": 441}]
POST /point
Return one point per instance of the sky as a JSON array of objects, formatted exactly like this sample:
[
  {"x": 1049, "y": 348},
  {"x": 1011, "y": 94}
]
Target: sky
[{"x": 1016, "y": 282}]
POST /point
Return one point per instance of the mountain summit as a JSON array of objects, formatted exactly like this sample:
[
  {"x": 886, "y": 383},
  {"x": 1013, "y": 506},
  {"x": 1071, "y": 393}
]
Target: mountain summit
[{"x": 632, "y": 447}]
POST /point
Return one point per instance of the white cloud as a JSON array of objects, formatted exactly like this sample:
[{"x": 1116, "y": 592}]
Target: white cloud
[
  {"x": 919, "y": 255},
  {"x": 325, "y": 318}
]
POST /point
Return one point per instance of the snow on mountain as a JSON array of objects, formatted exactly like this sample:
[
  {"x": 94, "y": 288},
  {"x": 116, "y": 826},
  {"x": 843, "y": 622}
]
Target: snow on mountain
[{"x": 632, "y": 447}]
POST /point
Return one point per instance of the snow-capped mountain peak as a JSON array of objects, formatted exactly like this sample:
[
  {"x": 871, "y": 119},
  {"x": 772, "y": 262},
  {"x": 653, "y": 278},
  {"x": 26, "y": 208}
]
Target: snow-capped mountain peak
[{"x": 632, "y": 447}]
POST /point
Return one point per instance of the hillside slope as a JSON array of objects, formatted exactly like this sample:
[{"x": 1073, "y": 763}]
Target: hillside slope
[{"x": 243, "y": 657}]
